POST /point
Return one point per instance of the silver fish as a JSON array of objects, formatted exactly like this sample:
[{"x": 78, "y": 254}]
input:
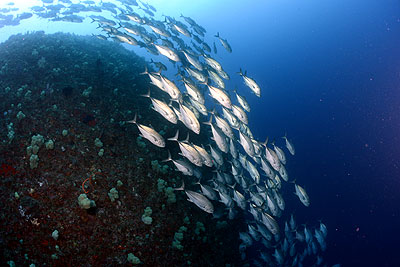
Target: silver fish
[
  {"x": 198, "y": 199},
  {"x": 251, "y": 83},
  {"x": 149, "y": 133}
]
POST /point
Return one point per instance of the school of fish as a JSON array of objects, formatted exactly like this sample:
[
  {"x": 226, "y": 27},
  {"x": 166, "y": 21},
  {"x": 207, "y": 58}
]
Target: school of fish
[{"x": 232, "y": 172}]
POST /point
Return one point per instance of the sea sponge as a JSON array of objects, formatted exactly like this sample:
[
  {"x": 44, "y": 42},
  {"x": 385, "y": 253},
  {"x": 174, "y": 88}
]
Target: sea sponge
[
  {"x": 113, "y": 194},
  {"x": 85, "y": 203},
  {"x": 146, "y": 216},
  {"x": 34, "y": 161}
]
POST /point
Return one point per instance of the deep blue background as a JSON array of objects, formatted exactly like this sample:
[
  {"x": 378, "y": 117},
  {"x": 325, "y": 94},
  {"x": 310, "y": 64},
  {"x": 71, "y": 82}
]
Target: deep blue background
[{"x": 330, "y": 78}]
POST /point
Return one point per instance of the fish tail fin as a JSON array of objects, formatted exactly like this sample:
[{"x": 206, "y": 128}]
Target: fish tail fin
[
  {"x": 134, "y": 119},
  {"x": 147, "y": 94},
  {"x": 265, "y": 143},
  {"x": 232, "y": 186},
  {"x": 293, "y": 182},
  {"x": 205, "y": 82},
  {"x": 182, "y": 187},
  {"x": 217, "y": 35},
  {"x": 175, "y": 138},
  {"x": 240, "y": 72},
  {"x": 168, "y": 158},
  {"x": 208, "y": 122},
  {"x": 285, "y": 136},
  {"x": 146, "y": 71},
  {"x": 187, "y": 138}
]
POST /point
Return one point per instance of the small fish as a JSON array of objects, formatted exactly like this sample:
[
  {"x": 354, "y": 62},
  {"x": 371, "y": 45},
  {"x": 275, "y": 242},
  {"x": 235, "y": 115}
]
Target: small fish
[
  {"x": 223, "y": 125},
  {"x": 182, "y": 29},
  {"x": 270, "y": 223},
  {"x": 199, "y": 76},
  {"x": 216, "y": 78},
  {"x": 242, "y": 101},
  {"x": 168, "y": 52},
  {"x": 240, "y": 114},
  {"x": 188, "y": 151},
  {"x": 224, "y": 43},
  {"x": 149, "y": 133},
  {"x": 193, "y": 61},
  {"x": 159, "y": 30},
  {"x": 218, "y": 136},
  {"x": 159, "y": 65},
  {"x": 289, "y": 145},
  {"x": 182, "y": 166},
  {"x": 188, "y": 20},
  {"x": 247, "y": 144},
  {"x": 207, "y": 160},
  {"x": 251, "y": 83},
  {"x": 209, "y": 192},
  {"x": 212, "y": 63},
  {"x": 155, "y": 79},
  {"x": 198, "y": 199},
  {"x": 171, "y": 88},
  {"x": 163, "y": 108},
  {"x": 189, "y": 119},
  {"x": 217, "y": 156},
  {"x": 221, "y": 96},
  {"x": 279, "y": 152},
  {"x": 193, "y": 91},
  {"x": 302, "y": 194}
]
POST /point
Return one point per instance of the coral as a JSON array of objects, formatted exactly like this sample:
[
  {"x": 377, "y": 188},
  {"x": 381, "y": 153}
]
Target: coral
[
  {"x": 49, "y": 144},
  {"x": 113, "y": 194},
  {"x": 85, "y": 203},
  {"x": 159, "y": 168},
  {"x": 33, "y": 161},
  {"x": 178, "y": 237},
  {"x": 199, "y": 228},
  {"x": 98, "y": 143},
  {"x": 133, "y": 259},
  {"x": 41, "y": 62},
  {"x": 87, "y": 91},
  {"x": 55, "y": 234},
  {"x": 48, "y": 195},
  {"x": 20, "y": 115},
  {"x": 146, "y": 216},
  {"x": 140, "y": 143},
  {"x": 168, "y": 191}
]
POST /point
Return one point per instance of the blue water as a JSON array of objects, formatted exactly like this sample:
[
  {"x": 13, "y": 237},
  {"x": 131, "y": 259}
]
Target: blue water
[{"x": 330, "y": 78}]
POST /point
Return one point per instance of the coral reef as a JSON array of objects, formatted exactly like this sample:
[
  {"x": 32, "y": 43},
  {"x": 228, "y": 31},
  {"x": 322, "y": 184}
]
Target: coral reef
[{"x": 67, "y": 189}]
